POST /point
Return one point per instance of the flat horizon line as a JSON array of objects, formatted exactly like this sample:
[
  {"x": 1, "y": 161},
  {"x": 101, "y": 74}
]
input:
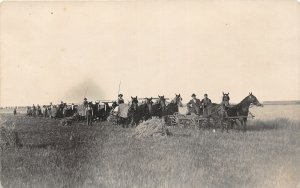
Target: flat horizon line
[{"x": 269, "y": 102}]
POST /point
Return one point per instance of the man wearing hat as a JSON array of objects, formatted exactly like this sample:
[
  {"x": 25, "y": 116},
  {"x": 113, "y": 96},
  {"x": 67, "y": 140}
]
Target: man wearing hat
[
  {"x": 89, "y": 113},
  {"x": 194, "y": 105},
  {"x": 120, "y": 99},
  {"x": 33, "y": 110},
  {"x": 206, "y": 101},
  {"x": 85, "y": 102}
]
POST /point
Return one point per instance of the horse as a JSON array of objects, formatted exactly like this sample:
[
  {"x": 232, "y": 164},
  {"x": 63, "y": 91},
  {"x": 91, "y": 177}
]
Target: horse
[
  {"x": 171, "y": 108},
  {"x": 242, "y": 109},
  {"x": 157, "y": 108},
  {"x": 138, "y": 112},
  {"x": 103, "y": 112},
  {"x": 221, "y": 113},
  {"x": 149, "y": 104}
]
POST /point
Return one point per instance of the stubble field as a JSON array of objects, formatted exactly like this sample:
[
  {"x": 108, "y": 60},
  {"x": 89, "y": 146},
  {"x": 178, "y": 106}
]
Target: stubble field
[{"x": 47, "y": 154}]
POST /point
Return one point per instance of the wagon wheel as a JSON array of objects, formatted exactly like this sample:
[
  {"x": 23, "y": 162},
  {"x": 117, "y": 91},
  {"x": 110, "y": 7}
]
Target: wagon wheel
[
  {"x": 222, "y": 124},
  {"x": 208, "y": 123},
  {"x": 213, "y": 123},
  {"x": 193, "y": 122},
  {"x": 197, "y": 122},
  {"x": 183, "y": 120},
  {"x": 175, "y": 119},
  {"x": 202, "y": 123}
]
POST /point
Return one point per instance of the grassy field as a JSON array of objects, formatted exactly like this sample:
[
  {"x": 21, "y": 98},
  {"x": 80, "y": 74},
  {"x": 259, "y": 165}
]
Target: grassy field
[{"x": 47, "y": 154}]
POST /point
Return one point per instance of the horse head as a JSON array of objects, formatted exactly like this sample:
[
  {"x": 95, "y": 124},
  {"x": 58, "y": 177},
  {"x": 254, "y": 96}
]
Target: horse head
[
  {"x": 162, "y": 102},
  {"x": 253, "y": 100},
  {"x": 134, "y": 103},
  {"x": 177, "y": 100},
  {"x": 149, "y": 103},
  {"x": 225, "y": 99}
]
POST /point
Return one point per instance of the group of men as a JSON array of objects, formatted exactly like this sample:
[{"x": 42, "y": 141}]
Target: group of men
[
  {"x": 89, "y": 112},
  {"x": 52, "y": 111},
  {"x": 61, "y": 110},
  {"x": 196, "y": 106}
]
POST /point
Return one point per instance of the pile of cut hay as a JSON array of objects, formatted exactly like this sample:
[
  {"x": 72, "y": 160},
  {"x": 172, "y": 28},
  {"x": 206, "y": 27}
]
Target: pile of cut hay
[
  {"x": 151, "y": 127},
  {"x": 8, "y": 137}
]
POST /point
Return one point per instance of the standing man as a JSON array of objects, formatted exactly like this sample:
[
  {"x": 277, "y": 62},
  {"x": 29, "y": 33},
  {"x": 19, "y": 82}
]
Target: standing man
[
  {"x": 205, "y": 102},
  {"x": 44, "y": 111},
  {"x": 89, "y": 114},
  {"x": 85, "y": 102},
  {"x": 65, "y": 109},
  {"x": 120, "y": 99},
  {"x": 72, "y": 109},
  {"x": 50, "y": 110},
  {"x": 194, "y": 105},
  {"x": 33, "y": 110},
  {"x": 38, "y": 110},
  {"x": 15, "y": 111}
]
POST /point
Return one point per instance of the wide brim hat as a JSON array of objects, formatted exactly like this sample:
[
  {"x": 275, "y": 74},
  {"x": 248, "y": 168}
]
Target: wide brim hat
[
  {"x": 193, "y": 95},
  {"x": 120, "y": 95}
]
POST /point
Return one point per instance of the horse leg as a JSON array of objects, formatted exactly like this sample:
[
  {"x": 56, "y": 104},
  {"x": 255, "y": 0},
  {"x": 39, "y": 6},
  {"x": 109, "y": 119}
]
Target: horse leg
[
  {"x": 124, "y": 123},
  {"x": 132, "y": 121},
  {"x": 223, "y": 124},
  {"x": 245, "y": 125},
  {"x": 239, "y": 124},
  {"x": 207, "y": 123},
  {"x": 227, "y": 125}
]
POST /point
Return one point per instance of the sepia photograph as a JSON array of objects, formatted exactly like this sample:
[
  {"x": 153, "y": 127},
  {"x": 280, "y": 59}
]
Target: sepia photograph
[{"x": 150, "y": 94}]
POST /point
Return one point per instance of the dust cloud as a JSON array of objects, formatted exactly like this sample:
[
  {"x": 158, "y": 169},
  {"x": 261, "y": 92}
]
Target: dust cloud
[{"x": 87, "y": 88}]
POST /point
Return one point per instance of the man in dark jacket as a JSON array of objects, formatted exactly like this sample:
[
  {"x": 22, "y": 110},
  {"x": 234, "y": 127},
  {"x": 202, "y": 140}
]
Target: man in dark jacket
[
  {"x": 89, "y": 113},
  {"x": 120, "y": 99},
  {"x": 194, "y": 105},
  {"x": 205, "y": 101},
  {"x": 85, "y": 102}
]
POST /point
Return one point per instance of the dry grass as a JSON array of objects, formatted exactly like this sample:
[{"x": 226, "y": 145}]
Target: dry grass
[{"x": 268, "y": 155}]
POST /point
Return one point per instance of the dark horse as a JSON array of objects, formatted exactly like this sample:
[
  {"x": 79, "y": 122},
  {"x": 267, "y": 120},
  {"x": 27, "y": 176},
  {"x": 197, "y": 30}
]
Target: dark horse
[
  {"x": 102, "y": 111},
  {"x": 225, "y": 99},
  {"x": 138, "y": 112},
  {"x": 171, "y": 108},
  {"x": 229, "y": 114},
  {"x": 242, "y": 109}
]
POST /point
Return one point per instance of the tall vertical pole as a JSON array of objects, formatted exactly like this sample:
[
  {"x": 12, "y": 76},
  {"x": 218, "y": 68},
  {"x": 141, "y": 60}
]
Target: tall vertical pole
[
  {"x": 119, "y": 88},
  {"x": 85, "y": 92}
]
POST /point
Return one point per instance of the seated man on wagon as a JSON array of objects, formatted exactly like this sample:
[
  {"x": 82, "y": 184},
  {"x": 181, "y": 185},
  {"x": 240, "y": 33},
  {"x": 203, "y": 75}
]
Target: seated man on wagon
[
  {"x": 194, "y": 105},
  {"x": 205, "y": 101}
]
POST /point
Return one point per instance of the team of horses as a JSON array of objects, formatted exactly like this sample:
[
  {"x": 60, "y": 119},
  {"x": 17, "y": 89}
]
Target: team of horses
[
  {"x": 224, "y": 114},
  {"x": 228, "y": 115}
]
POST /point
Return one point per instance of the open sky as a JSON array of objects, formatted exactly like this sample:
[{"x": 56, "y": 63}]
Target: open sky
[{"x": 53, "y": 51}]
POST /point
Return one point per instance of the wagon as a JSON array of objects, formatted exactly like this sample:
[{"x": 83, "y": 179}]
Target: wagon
[
  {"x": 201, "y": 121},
  {"x": 191, "y": 120}
]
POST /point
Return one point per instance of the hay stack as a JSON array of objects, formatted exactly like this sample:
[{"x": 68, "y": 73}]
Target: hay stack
[
  {"x": 8, "y": 135},
  {"x": 152, "y": 127}
]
